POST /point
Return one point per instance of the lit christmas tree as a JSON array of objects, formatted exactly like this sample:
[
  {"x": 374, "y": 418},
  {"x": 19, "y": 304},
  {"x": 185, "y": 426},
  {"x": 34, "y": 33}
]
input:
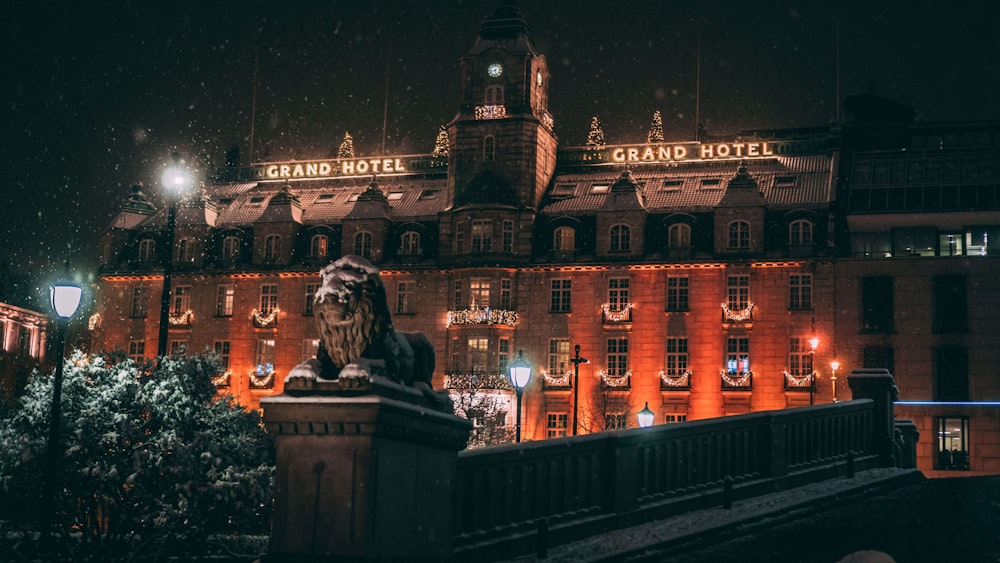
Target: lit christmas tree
[
  {"x": 441, "y": 143},
  {"x": 346, "y": 149},
  {"x": 596, "y": 136},
  {"x": 655, "y": 134}
]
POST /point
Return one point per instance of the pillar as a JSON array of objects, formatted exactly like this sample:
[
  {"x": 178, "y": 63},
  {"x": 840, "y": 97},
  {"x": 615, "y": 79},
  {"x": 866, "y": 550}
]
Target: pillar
[{"x": 879, "y": 386}]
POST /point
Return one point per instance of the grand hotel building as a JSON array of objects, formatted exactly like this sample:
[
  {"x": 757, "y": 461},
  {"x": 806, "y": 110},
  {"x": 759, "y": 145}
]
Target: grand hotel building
[{"x": 700, "y": 279}]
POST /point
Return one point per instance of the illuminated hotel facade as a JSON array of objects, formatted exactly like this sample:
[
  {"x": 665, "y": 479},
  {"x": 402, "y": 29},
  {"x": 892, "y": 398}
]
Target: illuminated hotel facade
[{"x": 700, "y": 279}]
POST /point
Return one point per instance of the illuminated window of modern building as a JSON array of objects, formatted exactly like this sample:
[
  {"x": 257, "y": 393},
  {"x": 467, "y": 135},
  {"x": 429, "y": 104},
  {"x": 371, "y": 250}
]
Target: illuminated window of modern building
[
  {"x": 561, "y": 296},
  {"x": 489, "y": 148},
  {"x": 309, "y": 299},
  {"x": 405, "y": 297},
  {"x": 677, "y": 356},
  {"x": 800, "y": 291},
  {"x": 800, "y": 357},
  {"x": 140, "y": 301},
  {"x": 479, "y": 292},
  {"x": 618, "y": 297},
  {"x": 558, "y": 356},
  {"x": 409, "y": 243},
  {"x": 737, "y": 354},
  {"x": 272, "y": 247},
  {"x": 507, "y": 237},
  {"x": 268, "y": 298},
  {"x": 178, "y": 347},
  {"x": 264, "y": 354},
  {"x": 950, "y": 244},
  {"x": 679, "y": 236},
  {"x": 503, "y": 354},
  {"x": 800, "y": 232},
  {"x": 617, "y": 356},
  {"x": 478, "y": 350},
  {"x": 225, "y": 295},
  {"x": 222, "y": 350},
  {"x": 951, "y": 309},
  {"x": 482, "y": 231},
  {"x": 310, "y": 348},
  {"x": 952, "y": 444},
  {"x": 564, "y": 239},
  {"x": 137, "y": 350},
  {"x": 620, "y": 238},
  {"x": 363, "y": 244},
  {"x": 737, "y": 292},
  {"x": 230, "y": 248},
  {"x": 147, "y": 250},
  {"x": 677, "y": 293},
  {"x": 506, "y": 294},
  {"x": 556, "y": 424},
  {"x": 615, "y": 421},
  {"x": 318, "y": 246},
  {"x": 739, "y": 235},
  {"x": 180, "y": 301},
  {"x": 877, "y": 304}
]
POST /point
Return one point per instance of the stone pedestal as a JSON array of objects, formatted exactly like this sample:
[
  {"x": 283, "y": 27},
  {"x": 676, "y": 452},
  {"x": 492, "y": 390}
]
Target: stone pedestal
[
  {"x": 362, "y": 475},
  {"x": 879, "y": 386}
]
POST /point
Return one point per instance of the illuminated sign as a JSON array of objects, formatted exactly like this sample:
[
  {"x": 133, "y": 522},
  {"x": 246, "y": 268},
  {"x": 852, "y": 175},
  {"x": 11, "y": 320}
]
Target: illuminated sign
[
  {"x": 338, "y": 168},
  {"x": 684, "y": 152}
]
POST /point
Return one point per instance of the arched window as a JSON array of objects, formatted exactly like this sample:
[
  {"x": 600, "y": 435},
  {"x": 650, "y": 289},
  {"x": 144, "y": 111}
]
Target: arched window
[
  {"x": 185, "y": 250},
  {"x": 739, "y": 235},
  {"x": 272, "y": 247},
  {"x": 230, "y": 248},
  {"x": 147, "y": 250},
  {"x": 800, "y": 232},
  {"x": 679, "y": 236},
  {"x": 409, "y": 244},
  {"x": 621, "y": 238},
  {"x": 319, "y": 246},
  {"x": 494, "y": 95},
  {"x": 489, "y": 148},
  {"x": 564, "y": 239},
  {"x": 363, "y": 244}
]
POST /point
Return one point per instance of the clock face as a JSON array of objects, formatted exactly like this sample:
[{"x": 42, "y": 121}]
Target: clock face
[
  {"x": 494, "y": 70},
  {"x": 538, "y": 78}
]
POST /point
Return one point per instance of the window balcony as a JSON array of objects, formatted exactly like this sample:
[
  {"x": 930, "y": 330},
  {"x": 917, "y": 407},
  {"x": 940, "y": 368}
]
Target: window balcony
[
  {"x": 222, "y": 380},
  {"x": 492, "y": 111},
  {"x": 612, "y": 381},
  {"x": 181, "y": 320},
  {"x": 736, "y": 380},
  {"x": 262, "y": 376},
  {"x": 799, "y": 381},
  {"x": 613, "y": 316},
  {"x": 482, "y": 316},
  {"x": 265, "y": 319},
  {"x": 737, "y": 316},
  {"x": 563, "y": 381},
  {"x": 475, "y": 380},
  {"x": 675, "y": 381}
]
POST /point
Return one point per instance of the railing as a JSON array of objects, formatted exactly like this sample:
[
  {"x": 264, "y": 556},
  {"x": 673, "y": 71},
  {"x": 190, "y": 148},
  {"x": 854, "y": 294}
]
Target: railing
[
  {"x": 678, "y": 381},
  {"x": 473, "y": 380},
  {"x": 265, "y": 319},
  {"x": 577, "y": 486},
  {"x": 482, "y": 316},
  {"x": 736, "y": 381},
  {"x": 562, "y": 381},
  {"x": 181, "y": 319},
  {"x": 612, "y": 315},
  {"x": 491, "y": 111},
  {"x": 799, "y": 381}
]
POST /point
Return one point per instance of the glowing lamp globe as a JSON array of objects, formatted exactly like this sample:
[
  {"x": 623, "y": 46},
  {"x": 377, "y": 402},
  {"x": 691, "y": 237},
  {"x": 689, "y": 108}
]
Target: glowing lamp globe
[
  {"x": 520, "y": 372},
  {"x": 176, "y": 179},
  {"x": 835, "y": 365},
  {"x": 65, "y": 297},
  {"x": 645, "y": 417}
]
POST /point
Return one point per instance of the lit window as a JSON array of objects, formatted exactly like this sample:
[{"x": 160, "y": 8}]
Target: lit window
[
  {"x": 739, "y": 235},
  {"x": 310, "y": 348},
  {"x": 264, "y": 357},
  {"x": 737, "y": 355},
  {"x": 558, "y": 356},
  {"x": 478, "y": 354},
  {"x": 479, "y": 292},
  {"x": 952, "y": 444},
  {"x": 620, "y": 238},
  {"x": 564, "y": 239},
  {"x": 800, "y": 357},
  {"x": 225, "y": 294},
  {"x": 318, "y": 246}
]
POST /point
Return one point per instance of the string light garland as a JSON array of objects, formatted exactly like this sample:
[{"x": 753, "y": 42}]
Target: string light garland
[
  {"x": 477, "y": 381},
  {"x": 682, "y": 379},
  {"x": 264, "y": 320},
  {"x": 799, "y": 380},
  {"x": 622, "y": 315},
  {"x": 94, "y": 321},
  {"x": 739, "y": 316},
  {"x": 484, "y": 316},
  {"x": 491, "y": 112},
  {"x": 181, "y": 319},
  {"x": 741, "y": 379},
  {"x": 262, "y": 376},
  {"x": 557, "y": 380},
  {"x": 222, "y": 380},
  {"x": 615, "y": 380}
]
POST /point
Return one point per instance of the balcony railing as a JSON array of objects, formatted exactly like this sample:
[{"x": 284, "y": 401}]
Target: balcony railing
[
  {"x": 564, "y": 381},
  {"x": 492, "y": 111},
  {"x": 621, "y": 314},
  {"x": 262, "y": 376},
  {"x": 482, "y": 316},
  {"x": 181, "y": 319},
  {"x": 222, "y": 380},
  {"x": 744, "y": 315},
  {"x": 473, "y": 380},
  {"x": 676, "y": 381},
  {"x": 736, "y": 380},
  {"x": 799, "y": 381},
  {"x": 265, "y": 320},
  {"x": 615, "y": 381}
]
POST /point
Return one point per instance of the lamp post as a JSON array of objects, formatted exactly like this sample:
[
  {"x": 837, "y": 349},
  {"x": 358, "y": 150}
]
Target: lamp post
[
  {"x": 176, "y": 180},
  {"x": 813, "y": 344},
  {"x": 64, "y": 296},
  {"x": 577, "y": 360},
  {"x": 834, "y": 365},
  {"x": 645, "y": 416},
  {"x": 520, "y": 374}
]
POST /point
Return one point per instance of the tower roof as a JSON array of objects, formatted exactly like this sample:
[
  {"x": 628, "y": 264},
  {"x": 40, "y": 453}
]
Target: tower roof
[{"x": 506, "y": 28}]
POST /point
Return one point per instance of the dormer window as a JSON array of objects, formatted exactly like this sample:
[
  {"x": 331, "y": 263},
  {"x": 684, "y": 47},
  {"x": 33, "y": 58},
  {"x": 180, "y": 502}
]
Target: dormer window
[
  {"x": 739, "y": 235},
  {"x": 272, "y": 247},
  {"x": 363, "y": 244},
  {"x": 679, "y": 236},
  {"x": 185, "y": 250},
  {"x": 620, "y": 239},
  {"x": 230, "y": 248},
  {"x": 410, "y": 243},
  {"x": 800, "y": 232},
  {"x": 147, "y": 250},
  {"x": 564, "y": 239},
  {"x": 319, "y": 246}
]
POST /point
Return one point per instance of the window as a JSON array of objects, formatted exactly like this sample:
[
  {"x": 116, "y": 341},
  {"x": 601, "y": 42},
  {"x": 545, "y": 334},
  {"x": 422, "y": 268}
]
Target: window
[
  {"x": 272, "y": 247},
  {"x": 310, "y": 299},
  {"x": 876, "y": 304},
  {"x": 953, "y": 444},
  {"x": 503, "y": 354},
  {"x": 560, "y": 296},
  {"x": 264, "y": 356},
  {"x": 615, "y": 421},
  {"x": 679, "y": 236},
  {"x": 738, "y": 292},
  {"x": 677, "y": 293},
  {"x": 178, "y": 347},
  {"x": 950, "y": 305},
  {"x": 409, "y": 243},
  {"x": 25, "y": 341},
  {"x": 458, "y": 301},
  {"x": 224, "y": 297},
  {"x": 950, "y": 244},
  {"x": 363, "y": 244},
  {"x": 951, "y": 374},
  {"x": 478, "y": 354},
  {"x": 556, "y": 424},
  {"x": 674, "y": 418},
  {"x": 564, "y": 239},
  {"x": 799, "y": 232},
  {"x": 800, "y": 357},
  {"x": 222, "y": 350},
  {"x": 479, "y": 292},
  {"x": 620, "y": 239},
  {"x": 737, "y": 355},
  {"x": 494, "y": 95},
  {"x": 140, "y": 301},
  {"x": 405, "y": 297},
  {"x": 558, "y": 356},
  {"x": 600, "y": 188},
  {"x": 508, "y": 237},
  {"x": 677, "y": 356},
  {"x": 137, "y": 350},
  {"x": 482, "y": 230},
  {"x": 185, "y": 250},
  {"x": 147, "y": 250},
  {"x": 800, "y": 291},
  {"x": 230, "y": 248},
  {"x": 310, "y": 348},
  {"x": 618, "y": 294},
  {"x": 319, "y": 246},
  {"x": 506, "y": 294},
  {"x": 617, "y": 356},
  {"x": 268, "y": 298},
  {"x": 460, "y": 238},
  {"x": 489, "y": 148},
  {"x": 739, "y": 235},
  {"x": 180, "y": 302}
]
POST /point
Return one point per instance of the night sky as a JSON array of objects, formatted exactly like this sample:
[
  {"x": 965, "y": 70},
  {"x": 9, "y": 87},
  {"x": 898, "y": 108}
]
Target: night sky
[{"x": 97, "y": 94}]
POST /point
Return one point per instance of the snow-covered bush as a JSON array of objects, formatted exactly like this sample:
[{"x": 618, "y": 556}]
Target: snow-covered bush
[{"x": 149, "y": 457}]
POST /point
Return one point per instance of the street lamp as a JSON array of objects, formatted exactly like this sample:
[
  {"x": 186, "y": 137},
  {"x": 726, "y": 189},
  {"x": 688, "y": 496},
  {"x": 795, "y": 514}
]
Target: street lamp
[
  {"x": 834, "y": 365},
  {"x": 520, "y": 374},
  {"x": 577, "y": 360},
  {"x": 176, "y": 180},
  {"x": 813, "y": 344},
  {"x": 645, "y": 416},
  {"x": 64, "y": 296}
]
